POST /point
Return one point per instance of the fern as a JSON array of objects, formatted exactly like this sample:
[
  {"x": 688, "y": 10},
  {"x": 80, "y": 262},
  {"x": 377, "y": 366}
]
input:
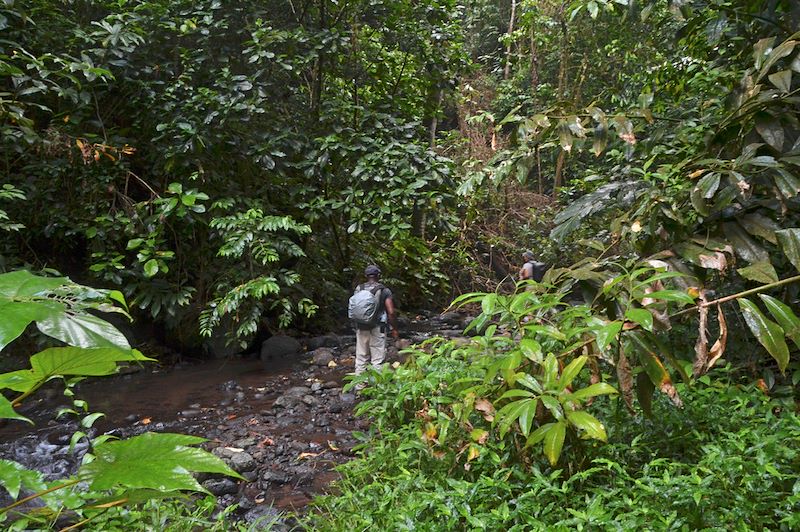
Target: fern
[{"x": 256, "y": 283}]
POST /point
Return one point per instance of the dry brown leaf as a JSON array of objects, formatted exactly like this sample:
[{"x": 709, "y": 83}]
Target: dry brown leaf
[
  {"x": 332, "y": 445},
  {"x": 625, "y": 378},
  {"x": 669, "y": 390},
  {"x": 485, "y": 407},
  {"x": 715, "y": 261},
  {"x": 718, "y": 349},
  {"x": 266, "y": 441},
  {"x": 145, "y": 421},
  {"x": 701, "y": 346},
  {"x": 303, "y": 456}
]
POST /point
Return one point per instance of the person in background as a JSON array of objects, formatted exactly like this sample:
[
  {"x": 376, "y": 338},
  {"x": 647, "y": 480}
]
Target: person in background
[
  {"x": 371, "y": 339},
  {"x": 531, "y": 269}
]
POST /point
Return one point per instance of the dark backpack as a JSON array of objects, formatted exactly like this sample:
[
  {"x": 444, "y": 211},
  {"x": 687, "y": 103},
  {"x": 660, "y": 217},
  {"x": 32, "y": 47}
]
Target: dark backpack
[
  {"x": 364, "y": 306},
  {"x": 538, "y": 269}
]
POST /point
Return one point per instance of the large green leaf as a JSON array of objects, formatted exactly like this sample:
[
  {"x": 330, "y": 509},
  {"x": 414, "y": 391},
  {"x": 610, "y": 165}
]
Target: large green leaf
[
  {"x": 21, "y": 380},
  {"x": 744, "y": 246},
  {"x": 554, "y": 441},
  {"x": 598, "y": 388},
  {"x": 156, "y": 461},
  {"x": 606, "y": 334},
  {"x": 587, "y": 423},
  {"x": 90, "y": 362},
  {"x": 7, "y": 411},
  {"x": 14, "y": 476},
  {"x": 759, "y": 225},
  {"x": 787, "y": 319},
  {"x": 790, "y": 243},
  {"x": 761, "y": 272},
  {"x": 83, "y": 330},
  {"x": 571, "y": 371},
  {"x": 641, "y": 316},
  {"x": 16, "y": 316},
  {"x": 23, "y": 284},
  {"x": 768, "y": 333}
]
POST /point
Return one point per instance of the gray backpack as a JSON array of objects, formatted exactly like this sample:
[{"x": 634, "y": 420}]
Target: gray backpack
[{"x": 365, "y": 305}]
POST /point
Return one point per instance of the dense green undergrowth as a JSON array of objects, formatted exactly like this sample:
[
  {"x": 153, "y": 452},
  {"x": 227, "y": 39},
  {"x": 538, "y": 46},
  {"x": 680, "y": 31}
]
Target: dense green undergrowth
[{"x": 728, "y": 460}]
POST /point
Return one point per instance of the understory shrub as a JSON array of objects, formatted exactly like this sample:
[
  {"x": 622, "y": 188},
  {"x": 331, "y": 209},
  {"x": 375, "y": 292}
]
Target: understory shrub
[{"x": 728, "y": 460}]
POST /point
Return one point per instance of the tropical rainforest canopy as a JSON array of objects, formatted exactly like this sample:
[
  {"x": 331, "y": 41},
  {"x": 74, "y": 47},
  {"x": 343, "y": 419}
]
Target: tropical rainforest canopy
[{"x": 231, "y": 168}]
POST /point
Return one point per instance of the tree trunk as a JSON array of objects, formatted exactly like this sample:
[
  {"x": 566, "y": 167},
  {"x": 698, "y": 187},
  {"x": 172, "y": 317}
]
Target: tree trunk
[{"x": 507, "y": 72}]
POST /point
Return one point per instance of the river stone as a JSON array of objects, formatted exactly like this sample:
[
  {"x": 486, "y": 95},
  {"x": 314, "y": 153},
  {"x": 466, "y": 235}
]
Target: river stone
[
  {"x": 241, "y": 462},
  {"x": 451, "y": 318},
  {"x": 280, "y": 347},
  {"x": 310, "y": 400},
  {"x": 297, "y": 391},
  {"x": 329, "y": 340},
  {"x": 322, "y": 356},
  {"x": 330, "y": 385},
  {"x": 221, "y": 486}
]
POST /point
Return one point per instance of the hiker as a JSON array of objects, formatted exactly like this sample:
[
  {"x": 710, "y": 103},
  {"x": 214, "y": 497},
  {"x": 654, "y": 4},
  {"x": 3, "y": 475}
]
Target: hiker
[
  {"x": 372, "y": 310},
  {"x": 531, "y": 269}
]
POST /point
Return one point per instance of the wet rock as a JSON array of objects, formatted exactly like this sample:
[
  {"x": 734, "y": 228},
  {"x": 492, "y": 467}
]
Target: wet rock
[
  {"x": 317, "y": 386},
  {"x": 241, "y": 462},
  {"x": 302, "y": 475},
  {"x": 322, "y": 356},
  {"x": 451, "y": 318},
  {"x": 330, "y": 385},
  {"x": 265, "y": 517},
  {"x": 335, "y": 407},
  {"x": 297, "y": 391},
  {"x": 310, "y": 400},
  {"x": 244, "y": 443},
  {"x": 329, "y": 340},
  {"x": 347, "y": 398},
  {"x": 274, "y": 477},
  {"x": 280, "y": 347},
  {"x": 229, "y": 386},
  {"x": 221, "y": 486}
]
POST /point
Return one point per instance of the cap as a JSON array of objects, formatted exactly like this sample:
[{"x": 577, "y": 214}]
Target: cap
[
  {"x": 372, "y": 270},
  {"x": 528, "y": 255}
]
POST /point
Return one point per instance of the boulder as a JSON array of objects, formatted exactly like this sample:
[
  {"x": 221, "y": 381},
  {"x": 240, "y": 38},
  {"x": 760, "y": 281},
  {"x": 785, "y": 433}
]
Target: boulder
[
  {"x": 221, "y": 486},
  {"x": 280, "y": 347},
  {"x": 241, "y": 462},
  {"x": 322, "y": 356},
  {"x": 329, "y": 340}
]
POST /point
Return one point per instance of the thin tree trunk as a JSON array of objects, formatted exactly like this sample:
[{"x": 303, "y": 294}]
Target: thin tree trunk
[
  {"x": 507, "y": 72},
  {"x": 534, "y": 61},
  {"x": 562, "y": 93}
]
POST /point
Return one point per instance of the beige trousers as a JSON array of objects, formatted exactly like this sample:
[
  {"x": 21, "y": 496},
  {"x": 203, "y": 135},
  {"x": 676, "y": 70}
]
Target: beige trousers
[{"x": 370, "y": 347}]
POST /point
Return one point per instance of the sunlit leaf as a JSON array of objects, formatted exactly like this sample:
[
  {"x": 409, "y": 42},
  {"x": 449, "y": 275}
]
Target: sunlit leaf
[
  {"x": 783, "y": 314},
  {"x": 607, "y": 334},
  {"x": 587, "y": 423},
  {"x": 554, "y": 441},
  {"x": 593, "y": 390},
  {"x": 571, "y": 371},
  {"x": 641, "y": 316},
  {"x": 767, "y": 332}
]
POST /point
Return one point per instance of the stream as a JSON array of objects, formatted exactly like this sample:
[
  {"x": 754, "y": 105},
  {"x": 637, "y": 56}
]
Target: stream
[{"x": 283, "y": 423}]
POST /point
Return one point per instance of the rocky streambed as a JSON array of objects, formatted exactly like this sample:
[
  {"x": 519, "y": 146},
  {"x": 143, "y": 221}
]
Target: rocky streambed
[{"x": 282, "y": 420}]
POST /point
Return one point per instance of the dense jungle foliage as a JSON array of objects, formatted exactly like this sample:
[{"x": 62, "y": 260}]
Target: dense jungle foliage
[{"x": 230, "y": 167}]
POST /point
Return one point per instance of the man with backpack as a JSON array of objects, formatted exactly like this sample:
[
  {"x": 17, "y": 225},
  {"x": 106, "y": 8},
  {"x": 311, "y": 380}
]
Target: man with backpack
[
  {"x": 532, "y": 269},
  {"x": 371, "y": 308}
]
